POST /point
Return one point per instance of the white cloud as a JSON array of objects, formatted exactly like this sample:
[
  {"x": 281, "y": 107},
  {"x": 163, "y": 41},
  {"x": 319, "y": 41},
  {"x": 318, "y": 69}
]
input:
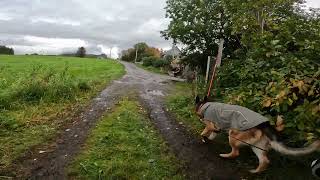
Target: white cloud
[
  {"x": 313, "y": 3},
  {"x": 5, "y": 17},
  {"x": 55, "y": 21},
  {"x": 153, "y": 26},
  {"x": 55, "y": 42}
]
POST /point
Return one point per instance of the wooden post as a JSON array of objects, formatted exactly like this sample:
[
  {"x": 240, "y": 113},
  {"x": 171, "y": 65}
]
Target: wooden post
[
  {"x": 208, "y": 69},
  {"x": 217, "y": 65}
]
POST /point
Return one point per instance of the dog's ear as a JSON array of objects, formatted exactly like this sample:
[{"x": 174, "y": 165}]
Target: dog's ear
[
  {"x": 205, "y": 99},
  {"x": 197, "y": 100}
]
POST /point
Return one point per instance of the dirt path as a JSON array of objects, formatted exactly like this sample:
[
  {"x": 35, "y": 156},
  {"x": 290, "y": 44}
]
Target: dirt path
[{"x": 200, "y": 161}]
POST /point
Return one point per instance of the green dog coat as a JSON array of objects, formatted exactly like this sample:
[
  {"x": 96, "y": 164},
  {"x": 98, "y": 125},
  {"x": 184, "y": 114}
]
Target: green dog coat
[{"x": 227, "y": 116}]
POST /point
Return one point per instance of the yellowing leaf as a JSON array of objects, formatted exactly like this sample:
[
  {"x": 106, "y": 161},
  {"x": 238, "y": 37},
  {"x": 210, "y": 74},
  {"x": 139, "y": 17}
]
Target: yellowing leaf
[
  {"x": 290, "y": 102},
  {"x": 267, "y": 103},
  {"x": 295, "y": 96},
  {"x": 311, "y": 92}
]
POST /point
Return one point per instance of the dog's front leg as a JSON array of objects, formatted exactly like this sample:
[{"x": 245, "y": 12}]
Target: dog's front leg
[{"x": 204, "y": 134}]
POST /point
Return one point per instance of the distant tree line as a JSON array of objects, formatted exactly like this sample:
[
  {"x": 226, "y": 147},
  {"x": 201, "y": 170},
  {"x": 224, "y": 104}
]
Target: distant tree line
[
  {"x": 6, "y": 50},
  {"x": 82, "y": 53}
]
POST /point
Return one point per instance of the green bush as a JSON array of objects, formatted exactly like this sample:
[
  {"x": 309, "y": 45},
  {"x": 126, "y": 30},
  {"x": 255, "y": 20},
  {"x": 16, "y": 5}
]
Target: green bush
[
  {"x": 155, "y": 62},
  {"x": 160, "y": 63},
  {"x": 280, "y": 76},
  {"x": 147, "y": 61}
]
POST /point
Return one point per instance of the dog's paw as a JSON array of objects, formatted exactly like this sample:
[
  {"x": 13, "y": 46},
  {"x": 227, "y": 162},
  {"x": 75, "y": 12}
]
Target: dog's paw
[
  {"x": 204, "y": 140},
  {"x": 253, "y": 171},
  {"x": 225, "y": 155}
]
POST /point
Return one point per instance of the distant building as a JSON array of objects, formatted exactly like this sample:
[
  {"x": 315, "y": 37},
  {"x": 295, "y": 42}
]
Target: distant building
[{"x": 174, "y": 52}]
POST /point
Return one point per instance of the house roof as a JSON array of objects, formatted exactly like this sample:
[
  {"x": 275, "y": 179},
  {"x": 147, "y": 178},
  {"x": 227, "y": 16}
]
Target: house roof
[{"x": 174, "y": 51}]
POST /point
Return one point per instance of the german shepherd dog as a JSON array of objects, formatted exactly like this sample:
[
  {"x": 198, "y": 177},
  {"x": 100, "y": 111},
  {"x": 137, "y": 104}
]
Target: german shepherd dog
[{"x": 262, "y": 138}]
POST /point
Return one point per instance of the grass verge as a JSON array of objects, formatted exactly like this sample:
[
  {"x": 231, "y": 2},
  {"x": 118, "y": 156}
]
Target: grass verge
[
  {"x": 125, "y": 146},
  {"x": 39, "y": 94},
  {"x": 181, "y": 104}
]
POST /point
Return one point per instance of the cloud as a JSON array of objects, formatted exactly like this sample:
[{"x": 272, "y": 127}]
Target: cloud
[
  {"x": 117, "y": 24},
  {"x": 313, "y": 3},
  {"x": 54, "y": 26},
  {"x": 55, "y": 21}
]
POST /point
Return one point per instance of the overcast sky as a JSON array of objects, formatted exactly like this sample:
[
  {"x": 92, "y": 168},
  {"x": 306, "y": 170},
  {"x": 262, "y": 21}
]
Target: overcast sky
[{"x": 56, "y": 26}]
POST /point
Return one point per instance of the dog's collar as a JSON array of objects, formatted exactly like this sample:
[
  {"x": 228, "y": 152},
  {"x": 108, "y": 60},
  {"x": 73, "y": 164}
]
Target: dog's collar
[{"x": 203, "y": 108}]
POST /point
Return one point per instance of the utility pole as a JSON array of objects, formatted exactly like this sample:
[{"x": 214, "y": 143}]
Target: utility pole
[
  {"x": 110, "y": 52},
  {"x": 135, "y": 60}
]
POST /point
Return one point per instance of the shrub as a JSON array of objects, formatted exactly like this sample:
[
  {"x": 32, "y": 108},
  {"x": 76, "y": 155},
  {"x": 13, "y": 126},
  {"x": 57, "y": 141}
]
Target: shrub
[
  {"x": 147, "y": 61},
  {"x": 160, "y": 63}
]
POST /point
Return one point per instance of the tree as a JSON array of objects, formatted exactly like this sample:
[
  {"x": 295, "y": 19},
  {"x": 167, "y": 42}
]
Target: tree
[
  {"x": 139, "y": 51},
  {"x": 199, "y": 25},
  {"x": 6, "y": 50},
  {"x": 140, "y": 48},
  {"x": 81, "y": 52},
  {"x": 272, "y": 53}
]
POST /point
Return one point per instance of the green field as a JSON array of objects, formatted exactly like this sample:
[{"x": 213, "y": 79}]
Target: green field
[
  {"x": 125, "y": 146},
  {"x": 39, "y": 94}
]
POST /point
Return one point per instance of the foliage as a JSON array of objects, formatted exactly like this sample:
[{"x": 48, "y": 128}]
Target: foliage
[
  {"x": 125, "y": 146},
  {"x": 142, "y": 50},
  {"x": 272, "y": 63},
  {"x": 199, "y": 25},
  {"x": 147, "y": 61},
  {"x": 181, "y": 104},
  {"x": 81, "y": 52},
  {"x": 155, "y": 62},
  {"x": 6, "y": 50}
]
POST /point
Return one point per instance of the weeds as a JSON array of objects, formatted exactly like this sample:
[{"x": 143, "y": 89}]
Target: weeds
[{"x": 43, "y": 84}]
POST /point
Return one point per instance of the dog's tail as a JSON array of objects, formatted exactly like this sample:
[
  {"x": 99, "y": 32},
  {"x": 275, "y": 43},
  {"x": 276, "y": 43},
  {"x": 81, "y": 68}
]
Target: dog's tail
[
  {"x": 272, "y": 134},
  {"x": 277, "y": 146}
]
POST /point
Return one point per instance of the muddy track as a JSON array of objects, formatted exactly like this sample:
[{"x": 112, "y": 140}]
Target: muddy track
[{"x": 200, "y": 160}]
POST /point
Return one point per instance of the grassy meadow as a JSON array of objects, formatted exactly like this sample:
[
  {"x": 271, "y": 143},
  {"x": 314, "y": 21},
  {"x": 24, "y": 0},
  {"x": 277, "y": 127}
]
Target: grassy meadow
[
  {"x": 39, "y": 94},
  {"x": 125, "y": 146}
]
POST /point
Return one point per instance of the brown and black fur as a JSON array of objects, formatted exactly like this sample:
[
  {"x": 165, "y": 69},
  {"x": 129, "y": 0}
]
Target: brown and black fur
[{"x": 263, "y": 136}]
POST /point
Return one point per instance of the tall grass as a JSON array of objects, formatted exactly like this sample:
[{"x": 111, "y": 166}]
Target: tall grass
[{"x": 41, "y": 84}]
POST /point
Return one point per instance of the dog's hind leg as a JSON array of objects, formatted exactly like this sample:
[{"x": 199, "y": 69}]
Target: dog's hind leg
[
  {"x": 262, "y": 156},
  {"x": 235, "y": 148}
]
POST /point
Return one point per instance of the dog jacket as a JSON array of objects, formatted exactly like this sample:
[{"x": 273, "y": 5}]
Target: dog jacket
[{"x": 227, "y": 116}]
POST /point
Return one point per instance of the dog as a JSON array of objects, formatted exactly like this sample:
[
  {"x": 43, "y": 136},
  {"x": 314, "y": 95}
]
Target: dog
[{"x": 245, "y": 127}]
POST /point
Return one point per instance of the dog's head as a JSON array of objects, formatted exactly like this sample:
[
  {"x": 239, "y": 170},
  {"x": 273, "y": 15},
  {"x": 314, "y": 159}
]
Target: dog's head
[
  {"x": 214, "y": 130},
  {"x": 199, "y": 103}
]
